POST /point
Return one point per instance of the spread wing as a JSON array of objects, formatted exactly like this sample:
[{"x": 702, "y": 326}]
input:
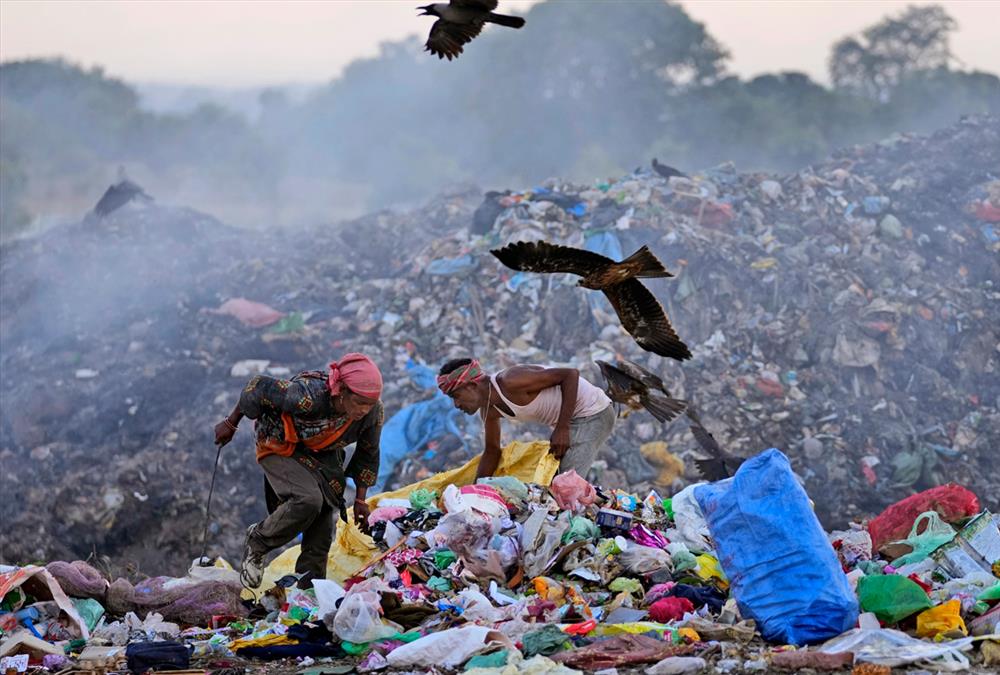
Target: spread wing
[
  {"x": 617, "y": 379},
  {"x": 482, "y": 5},
  {"x": 541, "y": 256},
  {"x": 447, "y": 38},
  {"x": 644, "y": 319},
  {"x": 648, "y": 378},
  {"x": 663, "y": 408},
  {"x": 720, "y": 464}
]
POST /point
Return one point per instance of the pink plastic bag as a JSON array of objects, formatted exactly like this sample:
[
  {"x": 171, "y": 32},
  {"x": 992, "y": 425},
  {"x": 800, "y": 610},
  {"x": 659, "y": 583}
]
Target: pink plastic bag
[
  {"x": 249, "y": 313},
  {"x": 572, "y": 492}
]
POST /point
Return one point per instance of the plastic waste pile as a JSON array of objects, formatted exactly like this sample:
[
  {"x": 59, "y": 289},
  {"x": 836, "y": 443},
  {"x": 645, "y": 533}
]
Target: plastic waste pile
[
  {"x": 506, "y": 576},
  {"x": 845, "y": 313}
]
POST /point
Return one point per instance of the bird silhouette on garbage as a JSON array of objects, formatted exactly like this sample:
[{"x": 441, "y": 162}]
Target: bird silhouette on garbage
[
  {"x": 640, "y": 312},
  {"x": 459, "y": 22},
  {"x": 720, "y": 464},
  {"x": 667, "y": 171},
  {"x": 118, "y": 195},
  {"x": 635, "y": 387}
]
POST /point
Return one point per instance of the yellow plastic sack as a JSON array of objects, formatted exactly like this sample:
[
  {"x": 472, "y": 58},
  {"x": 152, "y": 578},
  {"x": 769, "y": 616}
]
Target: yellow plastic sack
[
  {"x": 945, "y": 620},
  {"x": 709, "y": 568},
  {"x": 352, "y": 549},
  {"x": 669, "y": 465}
]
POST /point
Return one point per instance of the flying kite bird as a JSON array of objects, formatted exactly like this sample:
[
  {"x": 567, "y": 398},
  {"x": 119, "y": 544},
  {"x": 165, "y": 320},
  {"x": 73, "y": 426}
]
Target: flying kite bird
[
  {"x": 720, "y": 463},
  {"x": 118, "y": 195},
  {"x": 459, "y": 21},
  {"x": 667, "y": 171},
  {"x": 640, "y": 313},
  {"x": 634, "y": 386}
]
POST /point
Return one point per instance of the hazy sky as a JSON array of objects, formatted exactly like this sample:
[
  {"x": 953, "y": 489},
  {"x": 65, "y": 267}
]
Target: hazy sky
[{"x": 260, "y": 42}]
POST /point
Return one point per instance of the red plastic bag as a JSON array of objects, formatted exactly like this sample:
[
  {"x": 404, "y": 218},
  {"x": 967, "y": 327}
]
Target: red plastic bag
[{"x": 952, "y": 502}]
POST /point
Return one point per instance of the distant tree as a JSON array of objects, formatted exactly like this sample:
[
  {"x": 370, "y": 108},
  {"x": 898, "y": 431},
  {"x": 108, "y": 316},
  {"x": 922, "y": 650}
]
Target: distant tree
[{"x": 875, "y": 62}]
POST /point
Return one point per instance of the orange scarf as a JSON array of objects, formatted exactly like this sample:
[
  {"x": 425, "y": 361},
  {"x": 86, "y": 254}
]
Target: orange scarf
[{"x": 271, "y": 446}]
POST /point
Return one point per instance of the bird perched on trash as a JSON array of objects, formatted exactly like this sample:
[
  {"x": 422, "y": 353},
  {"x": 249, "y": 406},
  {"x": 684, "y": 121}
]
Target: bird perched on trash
[
  {"x": 640, "y": 313},
  {"x": 634, "y": 386},
  {"x": 118, "y": 195},
  {"x": 720, "y": 464},
  {"x": 459, "y": 21},
  {"x": 667, "y": 171}
]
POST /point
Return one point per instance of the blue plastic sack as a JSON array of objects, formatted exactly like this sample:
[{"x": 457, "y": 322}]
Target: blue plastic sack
[{"x": 782, "y": 570}]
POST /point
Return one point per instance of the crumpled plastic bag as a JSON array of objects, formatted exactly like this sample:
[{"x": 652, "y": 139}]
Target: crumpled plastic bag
[
  {"x": 944, "y": 619},
  {"x": 935, "y": 534},
  {"x": 480, "y": 499},
  {"x": 248, "y": 312},
  {"x": 887, "y": 647},
  {"x": 540, "y": 538},
  {"x": 514, "y": 491},
  {"x": 447, "y": 649},
  {"x": 580, "y": 529},
  {"x": 643, "y": 559},
  {"x": 477, "y": 607},
  {"x": 359, "y": 619},
  {"x": 572, "y": 492},
  {"x": 690, "y": 520}
]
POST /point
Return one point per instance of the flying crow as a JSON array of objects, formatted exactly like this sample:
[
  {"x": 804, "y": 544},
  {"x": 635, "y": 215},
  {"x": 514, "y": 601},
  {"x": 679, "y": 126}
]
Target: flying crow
[
  {"x": 720, "y": 463},
  {"x": 640, "y": 313},
  {"x": 631, "y": 384},
  {"x": 118, "y": 195},
  {"x": 459, "y": 21},
  {"x": 667, "y": 171}
]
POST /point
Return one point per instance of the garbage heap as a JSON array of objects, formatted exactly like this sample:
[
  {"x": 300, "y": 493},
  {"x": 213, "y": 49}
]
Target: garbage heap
[
  {"x": 846, "y": 313},
  {"x": 502, "y": 576}
]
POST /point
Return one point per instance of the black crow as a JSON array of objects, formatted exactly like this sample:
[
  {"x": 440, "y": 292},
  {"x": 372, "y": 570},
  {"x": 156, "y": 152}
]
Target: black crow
[
  {"x": 667, "y": 171},
  {"x": 459, "y": 21}
]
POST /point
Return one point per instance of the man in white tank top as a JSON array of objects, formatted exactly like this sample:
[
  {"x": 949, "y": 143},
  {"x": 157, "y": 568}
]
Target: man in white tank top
[{"x": 580, "y": 414}]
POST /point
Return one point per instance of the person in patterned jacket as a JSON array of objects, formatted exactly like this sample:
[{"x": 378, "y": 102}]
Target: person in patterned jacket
[{"x": 302, "y": 426}]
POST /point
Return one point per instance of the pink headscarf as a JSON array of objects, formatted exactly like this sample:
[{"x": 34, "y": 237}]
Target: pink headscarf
[{"x": 358, "y": 373}]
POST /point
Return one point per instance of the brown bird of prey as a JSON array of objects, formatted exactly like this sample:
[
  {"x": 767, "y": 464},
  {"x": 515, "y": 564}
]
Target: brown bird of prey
[
  {"x": 640, "y": 313},
  {"x": 720, "y": 463},
  {"x": 634, "y": 386},
  {"x": 459, "y": 21},
  {"x": 667, "y": 171}
]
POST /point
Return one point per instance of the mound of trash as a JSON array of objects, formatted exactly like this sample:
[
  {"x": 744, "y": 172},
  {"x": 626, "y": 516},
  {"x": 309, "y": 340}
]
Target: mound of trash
[
  {"x": 563, "y": 576},
  {"x": 846, "y": 313}
]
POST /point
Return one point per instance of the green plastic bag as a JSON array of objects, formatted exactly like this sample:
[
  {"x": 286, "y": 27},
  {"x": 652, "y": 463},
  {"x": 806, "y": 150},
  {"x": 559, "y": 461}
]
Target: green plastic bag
[
  {"x": 90, "y": 611},
  {"x": 626, "y": 584},
  {"x": 444, "y": 557},
  {"x": 422, "y": 498},
  {"x": 494, "y": 660},
  {"x": 933, "y": 536},
  {"x": 891, "y": 597},
  {"x": 580, "y": 528}
]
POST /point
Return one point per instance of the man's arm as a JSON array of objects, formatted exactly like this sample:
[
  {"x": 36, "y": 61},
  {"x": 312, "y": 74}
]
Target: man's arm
[{"x": 490, "y": 460}]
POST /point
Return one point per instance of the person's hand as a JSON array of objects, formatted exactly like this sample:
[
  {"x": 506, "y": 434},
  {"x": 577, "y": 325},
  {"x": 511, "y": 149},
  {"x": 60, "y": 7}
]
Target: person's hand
[
  {"x": 559, "y": 443},
  {"x": 224, "y": 432},
  {"x": 361, "y": 513}
]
